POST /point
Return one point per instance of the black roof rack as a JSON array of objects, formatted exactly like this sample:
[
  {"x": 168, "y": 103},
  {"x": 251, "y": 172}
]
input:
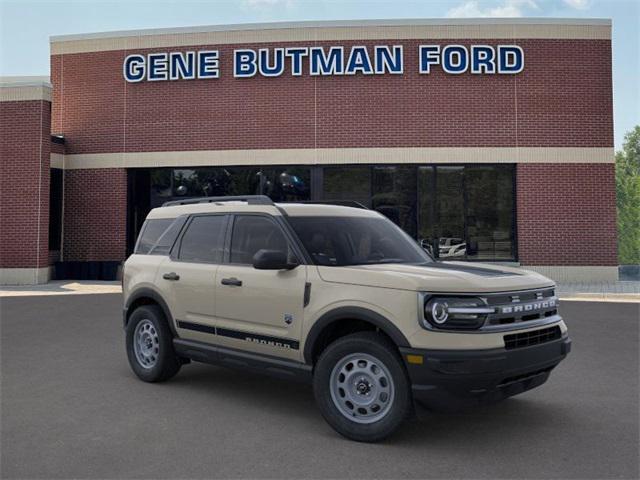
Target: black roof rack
[
  {"x": 341, "y": 203},
  {"x": 250, "y": 199}
]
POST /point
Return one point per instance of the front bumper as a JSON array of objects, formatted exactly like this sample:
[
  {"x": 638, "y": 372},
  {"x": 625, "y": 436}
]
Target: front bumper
[{"x": 448, "y": 379}]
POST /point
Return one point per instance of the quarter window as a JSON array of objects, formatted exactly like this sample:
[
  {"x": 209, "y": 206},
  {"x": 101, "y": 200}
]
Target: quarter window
[
  {"x": 167, "y": 239},
  {"x": 204, "y": 239},
  {"x": 151, "y": 232},
  {"x": 252, "y": 233}
]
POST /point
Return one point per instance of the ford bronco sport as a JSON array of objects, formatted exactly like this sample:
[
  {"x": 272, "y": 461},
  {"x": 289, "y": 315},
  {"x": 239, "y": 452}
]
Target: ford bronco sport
[{"x": 339, "y": 296}]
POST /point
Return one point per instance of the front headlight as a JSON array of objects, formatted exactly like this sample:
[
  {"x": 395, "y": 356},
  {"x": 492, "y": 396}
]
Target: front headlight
[{"x": 455, "y": 313}]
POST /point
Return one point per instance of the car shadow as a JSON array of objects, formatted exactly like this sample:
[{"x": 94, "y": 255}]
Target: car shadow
[
  {"x": 471, "y": 426},
  {"x": 237, "y": 385}
]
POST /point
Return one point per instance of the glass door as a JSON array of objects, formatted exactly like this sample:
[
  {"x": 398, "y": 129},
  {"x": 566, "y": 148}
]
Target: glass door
[
  {"x": 450, "y": 220},
  {"x": 427, "y": 209},
  {"x": 393, "y": 193},
  {"x": 441, "y": 217}
]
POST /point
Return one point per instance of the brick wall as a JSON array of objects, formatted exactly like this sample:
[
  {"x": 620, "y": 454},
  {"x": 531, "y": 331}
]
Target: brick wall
[
  {"x": 562, "y": 98},
  {"x": 95, "y": 213},
  {"x": 566, "y": 214},
  {"x": 57, "y": 148},
  {"x": 24, "y": 173}
]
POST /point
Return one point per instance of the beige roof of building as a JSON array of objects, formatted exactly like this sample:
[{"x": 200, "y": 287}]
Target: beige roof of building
[
  {"x": 14, "y": 88},
  {"x": 467, "y": 28}
]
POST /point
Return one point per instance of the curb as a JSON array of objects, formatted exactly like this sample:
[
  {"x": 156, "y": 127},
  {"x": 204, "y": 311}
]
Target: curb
[{"x": 601, "y": 297}]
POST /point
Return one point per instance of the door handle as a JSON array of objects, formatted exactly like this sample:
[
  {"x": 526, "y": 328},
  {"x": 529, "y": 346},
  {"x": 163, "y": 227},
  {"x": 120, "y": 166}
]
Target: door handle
[
  {"x": 234, "y": 282},
  {"x": 171, "y": 276}
]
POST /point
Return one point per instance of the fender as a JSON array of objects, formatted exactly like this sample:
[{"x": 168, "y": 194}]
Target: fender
[
  {"x": 356, "y": 313},
  {"x": 156, "y": 297}
]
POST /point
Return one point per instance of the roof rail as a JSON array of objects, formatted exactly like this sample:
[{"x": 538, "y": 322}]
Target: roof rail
[
  {"x": 250, "y": 199},
  {"x": 342, "y": 203}
]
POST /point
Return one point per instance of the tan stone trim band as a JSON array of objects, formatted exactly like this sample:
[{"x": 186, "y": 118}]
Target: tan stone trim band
[
  {"x": 330, "y": 156},
  {"x": 57, "y": 160},
  {"x": 24, "y": 276},
  {"x": 576, "y": 274},
  {"x": 25, "y": 93},
  {"x": 335, "y": 31}
]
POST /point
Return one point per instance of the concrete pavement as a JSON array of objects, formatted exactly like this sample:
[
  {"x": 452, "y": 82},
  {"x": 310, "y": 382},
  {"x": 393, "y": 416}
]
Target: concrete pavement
[{"x": 71, "y": 408}]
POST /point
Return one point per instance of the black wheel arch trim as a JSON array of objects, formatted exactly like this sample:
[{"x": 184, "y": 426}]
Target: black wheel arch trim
[
  {"x": 146, "y": 292},
  {"x": 351, "y": 313}
]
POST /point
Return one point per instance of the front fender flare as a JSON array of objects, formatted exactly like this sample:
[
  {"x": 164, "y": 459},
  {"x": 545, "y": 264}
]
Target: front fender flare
[{"x": 355, "y": 313}]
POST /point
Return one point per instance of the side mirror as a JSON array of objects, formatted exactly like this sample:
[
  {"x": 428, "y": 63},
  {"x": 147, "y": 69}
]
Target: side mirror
[{"x": 272, "y": 260}]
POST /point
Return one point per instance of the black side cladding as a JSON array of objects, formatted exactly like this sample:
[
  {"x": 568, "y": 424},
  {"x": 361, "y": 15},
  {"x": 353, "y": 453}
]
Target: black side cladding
[{"x": 240, "y": 335}]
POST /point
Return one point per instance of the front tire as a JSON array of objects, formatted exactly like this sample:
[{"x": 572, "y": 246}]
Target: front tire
[
  {"x": 149, "y": 345},
  {"x": 361, "y": 387}
]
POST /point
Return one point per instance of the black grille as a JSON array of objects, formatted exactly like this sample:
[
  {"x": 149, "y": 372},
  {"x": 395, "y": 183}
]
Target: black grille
[
  {"x": 525, "y": 306},
  {"x": 526, "y": 296},
  {"x": 535, "y": 337}
]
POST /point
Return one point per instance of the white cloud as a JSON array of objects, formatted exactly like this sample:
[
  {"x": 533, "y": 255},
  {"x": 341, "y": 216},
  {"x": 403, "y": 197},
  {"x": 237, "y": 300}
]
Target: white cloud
[
  {"x": 508, "y": 8},
  {"x": 578, "y": 4}
]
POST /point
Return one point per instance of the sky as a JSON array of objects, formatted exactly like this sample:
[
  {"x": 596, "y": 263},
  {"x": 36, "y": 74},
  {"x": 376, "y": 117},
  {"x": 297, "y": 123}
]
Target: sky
[{"x": 25, "y": 26}]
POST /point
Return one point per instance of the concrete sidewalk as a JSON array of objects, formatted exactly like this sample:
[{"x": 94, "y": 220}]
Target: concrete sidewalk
[
  {"x": 595, "y": 292},
  {"x": 61, "y": 287},
  {"x": 600, "y": 292}
]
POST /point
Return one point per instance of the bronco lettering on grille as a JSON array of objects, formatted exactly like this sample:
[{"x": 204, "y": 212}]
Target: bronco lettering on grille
[{"x": 529, "y": 307}]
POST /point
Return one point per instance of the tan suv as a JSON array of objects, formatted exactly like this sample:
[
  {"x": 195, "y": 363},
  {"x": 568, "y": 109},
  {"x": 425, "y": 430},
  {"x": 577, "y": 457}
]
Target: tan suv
[{"x": 339, "y": 296}]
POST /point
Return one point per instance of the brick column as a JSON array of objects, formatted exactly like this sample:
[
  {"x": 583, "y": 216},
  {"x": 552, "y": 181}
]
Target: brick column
[
  {"x": 567, "y": 220},
  {"x": 25, "y": 145},
  {"x": 95, "y": 220}
]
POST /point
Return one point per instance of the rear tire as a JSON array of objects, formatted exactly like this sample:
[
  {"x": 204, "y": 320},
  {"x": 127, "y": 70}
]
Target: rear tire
[
  {"x": 149, "y": 345},
  {"x": 361, "y": 387}
]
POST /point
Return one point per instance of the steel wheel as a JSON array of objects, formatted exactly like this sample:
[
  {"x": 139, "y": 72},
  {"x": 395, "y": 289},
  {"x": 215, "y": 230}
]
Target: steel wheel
[
  {"x": 146, "y": 344},
  {"x": 362, "y": 388}
]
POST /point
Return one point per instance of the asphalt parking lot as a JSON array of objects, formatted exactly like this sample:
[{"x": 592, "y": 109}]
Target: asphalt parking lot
[{"x": 71, "y": 408}]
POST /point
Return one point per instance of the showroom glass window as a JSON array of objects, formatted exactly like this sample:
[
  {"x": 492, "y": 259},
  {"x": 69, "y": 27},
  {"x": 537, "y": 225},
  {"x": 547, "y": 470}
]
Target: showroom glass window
[
  {"x": 347, "y": 183},
  {"x": 393, "y": 190},
  {"x": 467, "y": 212},
  {"x": 456, "y": 212},
  {"x": 285, "y": 184},
  {"x": 279, "y": 183},
  {"x": 489, "y": 212}
]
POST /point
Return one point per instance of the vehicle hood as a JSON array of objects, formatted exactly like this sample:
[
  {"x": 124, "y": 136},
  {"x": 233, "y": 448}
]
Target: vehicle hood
[{"x": 459, "y": 277}]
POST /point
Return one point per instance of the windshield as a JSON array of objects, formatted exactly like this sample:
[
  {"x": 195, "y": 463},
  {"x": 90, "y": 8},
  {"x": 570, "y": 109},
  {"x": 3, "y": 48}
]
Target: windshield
[{"x": 343, "y": 241}]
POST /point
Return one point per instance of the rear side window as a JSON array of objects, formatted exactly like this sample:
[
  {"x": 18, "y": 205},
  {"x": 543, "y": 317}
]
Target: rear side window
[
  {"x": 150, "y": 234},
  {"x": 203, "y": 241},
  {"x": 168, "y": 238}
]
